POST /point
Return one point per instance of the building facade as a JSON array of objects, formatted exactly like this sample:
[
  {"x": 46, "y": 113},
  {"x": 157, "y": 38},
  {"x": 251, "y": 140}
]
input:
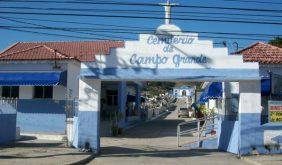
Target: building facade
[{"x": 97, "y": 76}]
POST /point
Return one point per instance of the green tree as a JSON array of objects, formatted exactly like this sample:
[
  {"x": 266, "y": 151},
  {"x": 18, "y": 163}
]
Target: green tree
[
  {"x": 156, "y": 88},
  {"x": 277, "y": 41}
]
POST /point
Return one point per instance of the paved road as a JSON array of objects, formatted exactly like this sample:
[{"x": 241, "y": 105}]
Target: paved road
[{"x": 155, "y": 143}]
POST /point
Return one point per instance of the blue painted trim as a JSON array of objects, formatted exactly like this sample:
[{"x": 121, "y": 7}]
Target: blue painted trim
[
  {"x": 41, "y": 115},
  {"x": 169, "y": 74}
]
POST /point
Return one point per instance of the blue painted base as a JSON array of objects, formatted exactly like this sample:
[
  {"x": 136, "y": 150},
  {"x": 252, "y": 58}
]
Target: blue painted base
[
  {"x": 205, "y": 144},
  {"x": 228, "y": 136},
  {"x": 209, "y": 144},
  {"x": 41, "y": 116},
  {"x": 7, "y": 128},
  {"x": 251, "y": 133},
  {"x": 86, "y": 131},
  {"x": 42, "y": 123}
]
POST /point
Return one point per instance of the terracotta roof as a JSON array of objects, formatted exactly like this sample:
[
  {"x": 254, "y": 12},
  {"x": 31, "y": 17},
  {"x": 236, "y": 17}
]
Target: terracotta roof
[
  {"x": 83, "y": 51},
  {"x": 262, "y": 53}
]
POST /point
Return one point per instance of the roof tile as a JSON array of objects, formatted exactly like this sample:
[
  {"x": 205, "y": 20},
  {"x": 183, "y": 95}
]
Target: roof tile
[
  {"x": 83, "y": 51},
  {"x": 262, "y": 53}
]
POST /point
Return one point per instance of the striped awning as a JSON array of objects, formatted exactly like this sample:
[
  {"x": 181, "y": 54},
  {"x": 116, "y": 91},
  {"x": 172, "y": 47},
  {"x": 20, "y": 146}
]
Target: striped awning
[
  {"x": 32, "y": 78},
  {"x": 213, "y": 91}
]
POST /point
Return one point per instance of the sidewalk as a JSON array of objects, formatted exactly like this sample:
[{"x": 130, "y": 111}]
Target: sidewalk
[
  {"x": 33, "y": 151},
  {"x": 264, "y": 159}
]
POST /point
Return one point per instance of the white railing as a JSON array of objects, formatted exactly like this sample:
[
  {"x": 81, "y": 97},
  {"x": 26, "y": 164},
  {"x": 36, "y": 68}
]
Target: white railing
[
  {"x": 203, "y": 124},
  {"x": 8, "y": 105}
]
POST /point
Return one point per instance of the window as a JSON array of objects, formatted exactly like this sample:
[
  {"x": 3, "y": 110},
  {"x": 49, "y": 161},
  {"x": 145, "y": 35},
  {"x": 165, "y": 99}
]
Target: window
[
  {"x": 235, "y": 103},
  {"x": 112, "y": 97},
  {"x": 10, "y": 91},
  {"x": 43, "y": 92}
]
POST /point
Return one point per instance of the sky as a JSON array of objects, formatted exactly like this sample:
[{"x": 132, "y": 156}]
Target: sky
[{"x": 37, "y": 27}]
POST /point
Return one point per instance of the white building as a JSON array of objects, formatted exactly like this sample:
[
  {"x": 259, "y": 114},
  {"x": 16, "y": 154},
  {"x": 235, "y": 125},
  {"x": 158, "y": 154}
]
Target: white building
[
  {"x": 39, "y": 70},
  {"x": 183, "y": 91}
]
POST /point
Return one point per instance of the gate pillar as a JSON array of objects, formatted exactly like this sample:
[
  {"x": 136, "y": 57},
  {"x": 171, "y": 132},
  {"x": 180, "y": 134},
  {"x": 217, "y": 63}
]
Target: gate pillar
[
  {"x": 87, "y": 120},
  {"x": 122, "y": 97},
  {"x": 250, "y": 135}
]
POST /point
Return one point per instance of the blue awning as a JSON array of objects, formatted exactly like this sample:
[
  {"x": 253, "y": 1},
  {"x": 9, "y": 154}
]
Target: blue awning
[
  {"x": 265, "y": 87},
  {"x": 213, "y": 91},
  {"x": 32, "y": 78}
]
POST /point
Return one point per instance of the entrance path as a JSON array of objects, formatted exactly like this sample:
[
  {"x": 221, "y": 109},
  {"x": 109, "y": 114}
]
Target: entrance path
[{"x": 154, "y": 143}]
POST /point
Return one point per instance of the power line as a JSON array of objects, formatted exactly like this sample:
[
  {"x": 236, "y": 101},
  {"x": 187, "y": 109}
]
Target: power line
[
  {"x": 251, "y": 1},
  {"x": 80, "y": 23},
  {"x": 56, "y": 35},
  {"x": 147, "y": 4},
  {"x": 38, "y": 26},
  {"x": 137, "y": 12},
  {"x": 138, "y": 29},
  {"x": 177, "y": 13},
  {"x": 144, "y": 17},
  {"x": 127, "y": 32}
]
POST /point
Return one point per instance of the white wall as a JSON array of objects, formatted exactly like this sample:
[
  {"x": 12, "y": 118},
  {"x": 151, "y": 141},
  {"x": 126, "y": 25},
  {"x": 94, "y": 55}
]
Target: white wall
[
  {"x": 73, "y": 73},
  {"x": 31, "y": 66},
  {"x": 124, "y": 57},
  {"x": 26, "y": 92},
  {"x": 59, "y": 92}
]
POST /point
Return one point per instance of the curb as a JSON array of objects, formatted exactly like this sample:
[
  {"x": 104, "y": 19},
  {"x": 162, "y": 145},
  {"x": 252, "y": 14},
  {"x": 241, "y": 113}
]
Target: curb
[{"x": 85, "y": 160}]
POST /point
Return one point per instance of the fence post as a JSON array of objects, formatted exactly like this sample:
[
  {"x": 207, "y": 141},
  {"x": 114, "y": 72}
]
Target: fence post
[
  {"x": 178, "y": 136},
  {"x": 198, "y": 125}
]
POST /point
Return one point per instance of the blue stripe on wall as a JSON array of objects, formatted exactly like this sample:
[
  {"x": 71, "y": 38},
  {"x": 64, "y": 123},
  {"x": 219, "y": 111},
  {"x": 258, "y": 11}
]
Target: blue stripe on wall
[
  {"x": 251, "y": 133},
  {"x": 7, "y": 127},
  {"x": 41, "y": 116},
  {"x": 170, "y": 74},
  {"x": 228, "y": 132}
]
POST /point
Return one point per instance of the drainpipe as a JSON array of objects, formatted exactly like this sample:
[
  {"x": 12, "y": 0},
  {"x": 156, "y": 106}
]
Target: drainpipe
[{"x": 270, "y": 79}]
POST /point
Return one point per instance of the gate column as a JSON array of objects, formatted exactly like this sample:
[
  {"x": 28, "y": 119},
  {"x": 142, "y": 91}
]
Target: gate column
[
  {"x": 87, "y": 120},
  {"x": 138, "y": 100},
  {"x": 122, "y": 97},
  {"x": 250, "y": 135}
]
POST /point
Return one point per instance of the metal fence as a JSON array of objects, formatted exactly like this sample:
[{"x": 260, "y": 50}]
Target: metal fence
[
  {"x": 9, "y": 103},
  {"x": 201, "y": 125}
]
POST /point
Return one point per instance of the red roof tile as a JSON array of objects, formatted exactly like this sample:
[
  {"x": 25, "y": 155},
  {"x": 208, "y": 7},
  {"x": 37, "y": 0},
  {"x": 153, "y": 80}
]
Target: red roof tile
[
  {"x": 82, "y": 51},
  {"x": 262, "y": 53}
]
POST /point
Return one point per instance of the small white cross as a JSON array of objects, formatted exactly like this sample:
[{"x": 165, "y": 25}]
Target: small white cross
[{"x": 167, "y": 7}]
